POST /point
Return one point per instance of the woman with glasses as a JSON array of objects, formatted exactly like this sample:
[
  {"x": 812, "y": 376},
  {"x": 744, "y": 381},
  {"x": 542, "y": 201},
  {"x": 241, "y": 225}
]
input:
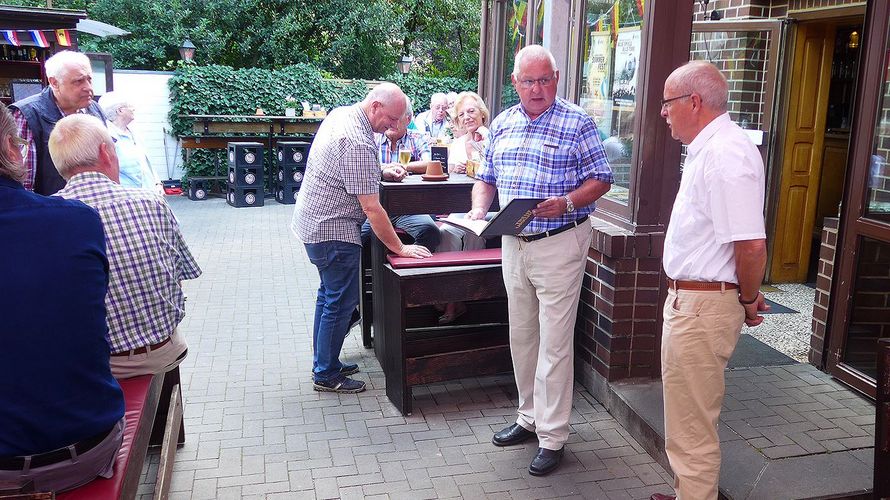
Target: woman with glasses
[
  {"x": 470, "y": 116},
  {"x": 135, "y": 168}
]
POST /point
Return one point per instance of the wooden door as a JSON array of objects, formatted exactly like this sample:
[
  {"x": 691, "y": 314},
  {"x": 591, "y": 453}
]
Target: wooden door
[{"x": 803, "y": 150}]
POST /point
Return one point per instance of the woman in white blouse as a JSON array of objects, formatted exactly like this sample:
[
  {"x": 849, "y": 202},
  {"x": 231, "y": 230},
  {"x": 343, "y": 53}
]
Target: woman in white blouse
[
  {"x": 471, "y": 116},
  {"x": 135, "y": 169}
]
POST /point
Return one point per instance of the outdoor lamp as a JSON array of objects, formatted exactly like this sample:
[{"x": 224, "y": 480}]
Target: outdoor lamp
[
  {"x": 405, "y": 64},
  {"x": 187, "y": 50}
]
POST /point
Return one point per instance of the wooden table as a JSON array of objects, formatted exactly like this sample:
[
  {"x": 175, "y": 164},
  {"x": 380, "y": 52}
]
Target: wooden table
[
  {"x": 216, "y": 131},
  {"x": 408, "y": 341},
  {"x": 410, "y": 197}
]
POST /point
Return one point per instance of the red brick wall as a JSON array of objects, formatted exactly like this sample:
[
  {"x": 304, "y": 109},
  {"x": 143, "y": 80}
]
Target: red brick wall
[
  {"x": 823, "y": 289},
  {"x": 617, "y": 329}
]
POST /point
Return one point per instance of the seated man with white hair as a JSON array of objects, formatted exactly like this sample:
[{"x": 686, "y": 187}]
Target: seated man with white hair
[
  {"x": 135, "y": 168},
  {"x": 146, "y": 251},
  {"x": 434, "y": 121}
]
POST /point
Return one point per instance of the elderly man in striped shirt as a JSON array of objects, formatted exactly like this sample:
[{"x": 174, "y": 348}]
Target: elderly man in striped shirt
[
  {"x": 146, "y": 252},
  {"x": 544, "y": 147}
]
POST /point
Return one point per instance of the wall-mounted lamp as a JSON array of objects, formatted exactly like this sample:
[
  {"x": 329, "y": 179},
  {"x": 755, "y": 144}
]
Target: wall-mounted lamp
[
  {"x": 187, "y": 50},
  {"x": 405, "y": 64}
]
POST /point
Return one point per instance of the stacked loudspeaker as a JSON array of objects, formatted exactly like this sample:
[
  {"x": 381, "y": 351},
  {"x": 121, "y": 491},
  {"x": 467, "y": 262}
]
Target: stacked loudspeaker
[
  {"x": 245, "y": 180},
  {"x": 292, "y": 158}
]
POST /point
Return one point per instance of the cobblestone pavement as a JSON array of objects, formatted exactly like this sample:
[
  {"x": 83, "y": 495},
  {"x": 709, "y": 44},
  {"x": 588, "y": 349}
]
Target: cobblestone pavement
[{"x": 256, "y": 429}]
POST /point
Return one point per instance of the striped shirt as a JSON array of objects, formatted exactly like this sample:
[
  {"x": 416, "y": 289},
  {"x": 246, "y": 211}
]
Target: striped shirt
[
  {"x": 148, "y": 259},
  {"x": 342, "y": 164},
  {"x": 420, "y": 148},
  {"x": 551, "y": 155}
]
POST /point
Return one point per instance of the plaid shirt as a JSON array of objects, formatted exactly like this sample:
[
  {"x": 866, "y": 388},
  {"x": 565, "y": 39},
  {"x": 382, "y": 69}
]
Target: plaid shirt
[
  {"x": 420, "y": 148},
  {"x": 551, "y": 155},
  {"x": 148, "y": 259},
  {"x": 342, "y": 164}
]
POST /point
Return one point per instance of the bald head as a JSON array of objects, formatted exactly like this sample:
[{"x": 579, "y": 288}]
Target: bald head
[
  {"x": 704, "y": 79},
  {"x": 385, "y": 105},
  {"x": 81, "y": 143}
]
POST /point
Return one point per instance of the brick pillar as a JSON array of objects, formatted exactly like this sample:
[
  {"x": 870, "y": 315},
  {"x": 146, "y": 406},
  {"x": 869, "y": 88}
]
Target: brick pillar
[
  {"x": 617, "y": 335},
  {"x": 823, "y": 289}
]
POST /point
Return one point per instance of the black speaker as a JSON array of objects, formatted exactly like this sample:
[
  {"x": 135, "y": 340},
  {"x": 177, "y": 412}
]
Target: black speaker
[
  {"x": 292, "y": 152},
  {"x": 290, "y": 175},
  {"x": 245, "y": 176},
  {"x": 245, "y": 197},
  {"x": 198, "y": 189},
  {"x": 246, "y": 154},
  {"x": 286, "y": 194}
]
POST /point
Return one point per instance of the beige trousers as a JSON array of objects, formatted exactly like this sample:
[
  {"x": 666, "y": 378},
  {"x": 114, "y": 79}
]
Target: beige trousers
[
  {"x": 701, "y": 329},
  {"x": 160, "y": 360},
  {"x": 543, "y": 282}
]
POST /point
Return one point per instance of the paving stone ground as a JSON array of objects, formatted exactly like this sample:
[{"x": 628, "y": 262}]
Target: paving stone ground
[{"x": 256, "y": 429}]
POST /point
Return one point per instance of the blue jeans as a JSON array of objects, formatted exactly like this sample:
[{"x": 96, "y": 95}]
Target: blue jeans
[
  {"x": 421, "y": 227},
  {"x": 338, "y": 268}
]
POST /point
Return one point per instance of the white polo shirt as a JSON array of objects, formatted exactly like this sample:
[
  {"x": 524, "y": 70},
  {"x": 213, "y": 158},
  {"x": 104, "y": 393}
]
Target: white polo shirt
[{"x": 720, "y": 201}]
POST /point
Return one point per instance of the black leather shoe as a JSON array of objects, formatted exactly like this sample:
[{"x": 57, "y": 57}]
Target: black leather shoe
[
  {"x": 545, "y": 462},
  {"x": 514, "y": 434}
]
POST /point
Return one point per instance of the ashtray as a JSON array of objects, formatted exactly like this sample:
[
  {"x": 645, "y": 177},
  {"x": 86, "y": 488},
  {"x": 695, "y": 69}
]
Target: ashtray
[{"x": 428, "y": 177}]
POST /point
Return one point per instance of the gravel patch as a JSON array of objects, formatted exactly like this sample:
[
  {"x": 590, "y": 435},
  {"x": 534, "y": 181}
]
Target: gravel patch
[{"x": 788, "y": 333}]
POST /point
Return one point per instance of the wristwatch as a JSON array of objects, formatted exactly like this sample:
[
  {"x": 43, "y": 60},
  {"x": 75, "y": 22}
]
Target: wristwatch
[{"x": 570, "y": 207}]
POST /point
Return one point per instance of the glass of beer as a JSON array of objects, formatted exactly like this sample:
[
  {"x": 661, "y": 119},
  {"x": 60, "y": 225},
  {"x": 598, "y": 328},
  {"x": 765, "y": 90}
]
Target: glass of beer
[{"x": 404, "y": 156}]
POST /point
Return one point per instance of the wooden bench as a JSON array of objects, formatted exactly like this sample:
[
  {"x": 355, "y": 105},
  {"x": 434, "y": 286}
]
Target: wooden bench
[
  {"x": 414, "y": 349},
  {"x": 143, "y": 398}
]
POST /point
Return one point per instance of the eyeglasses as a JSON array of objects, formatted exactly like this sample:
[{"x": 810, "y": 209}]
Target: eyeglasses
[
  {"x": 468, "y": 111},
  {"x": 544, "y": 82},
  {"x": 441, "y": 107},
  {"x": 665, "y": 103}
]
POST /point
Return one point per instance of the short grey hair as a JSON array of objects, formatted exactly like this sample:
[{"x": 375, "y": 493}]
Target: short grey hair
[
  {"x": 386, "y": 93},
  {"x": 533, "y": 53},
  {"x": 112, "y": 102},
  {"x": 438, "y": 96},
  {"x": 74, "y": 143},
  {"x": 57, "y": 65},
  {"x": 704, "y": 79},
  {"x": 9, "y": 167},
  {"x": 475, "y": 100},
  {"x": 409, "y": 109}
]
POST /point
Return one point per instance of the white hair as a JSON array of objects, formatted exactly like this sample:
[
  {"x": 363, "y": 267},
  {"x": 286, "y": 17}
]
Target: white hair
[
  {"x": 704, "y": 79},
  {"x": 57, "y": 66},
  {"x": 532, "y": 53},
  {"x": 74, "y": 143},
  {"x": 112, "y": 102}
]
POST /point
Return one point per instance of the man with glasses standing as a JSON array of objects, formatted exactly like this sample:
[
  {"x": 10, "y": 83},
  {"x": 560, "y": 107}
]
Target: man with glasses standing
[
  {"x": 714, "y": 259},
  {"x": 544, "y": 147}
]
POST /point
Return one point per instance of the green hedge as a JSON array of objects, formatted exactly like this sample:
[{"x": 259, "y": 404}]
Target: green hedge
[{"x": 222, "y": 90}]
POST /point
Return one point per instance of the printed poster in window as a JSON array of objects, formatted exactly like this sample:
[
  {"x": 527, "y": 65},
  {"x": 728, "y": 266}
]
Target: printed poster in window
[
  {"x": 627, "y": 54},
  {"x": 597, "y": 98}
]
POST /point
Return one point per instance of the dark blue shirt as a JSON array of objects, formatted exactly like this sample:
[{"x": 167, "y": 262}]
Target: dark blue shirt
[{"x": 56, "y": 387}]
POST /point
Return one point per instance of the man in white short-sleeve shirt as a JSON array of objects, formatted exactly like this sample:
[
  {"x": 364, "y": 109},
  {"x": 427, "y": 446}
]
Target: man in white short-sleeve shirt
[{"x": 714, "y": 259}]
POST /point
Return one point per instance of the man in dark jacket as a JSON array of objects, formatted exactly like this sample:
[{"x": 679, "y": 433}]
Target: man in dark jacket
[{"x": 70, "y": 91}]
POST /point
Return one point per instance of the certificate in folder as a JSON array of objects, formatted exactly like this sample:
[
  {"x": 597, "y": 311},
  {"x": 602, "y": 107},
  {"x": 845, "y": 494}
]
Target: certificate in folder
[{"x": 511, "y": 220}]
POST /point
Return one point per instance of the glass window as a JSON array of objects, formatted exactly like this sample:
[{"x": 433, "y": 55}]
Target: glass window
[
  {"x": 515, "y": 39},
  {"x": 877, "y": 201},
  {"x": 610, "y": 56},
  {"x": 870, "y": 312}
]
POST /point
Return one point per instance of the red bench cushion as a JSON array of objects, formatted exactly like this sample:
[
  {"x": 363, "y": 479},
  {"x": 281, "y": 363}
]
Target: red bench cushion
[
  {"x": 135, "y": 392},
  {"x": 461, "y": 258}
]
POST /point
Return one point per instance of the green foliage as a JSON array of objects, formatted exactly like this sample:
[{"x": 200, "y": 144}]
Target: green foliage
[
  {"x": 347, "y": 38},
  {"x": 222, "y": 90}
]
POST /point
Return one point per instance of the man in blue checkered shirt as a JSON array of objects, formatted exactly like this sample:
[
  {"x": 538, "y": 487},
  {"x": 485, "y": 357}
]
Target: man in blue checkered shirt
[{"x": 548, "y": 148}]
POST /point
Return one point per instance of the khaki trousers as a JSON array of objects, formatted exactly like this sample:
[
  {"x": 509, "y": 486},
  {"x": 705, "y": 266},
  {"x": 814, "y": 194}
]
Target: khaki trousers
[
  {"x": 160, "y": 360},
  {"x": 701, "y": 329},
  {"x": 543, "y": 282}
]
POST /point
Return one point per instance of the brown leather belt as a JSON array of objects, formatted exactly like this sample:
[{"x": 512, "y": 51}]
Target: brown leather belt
[
  {"x": 143, "y": 349},
  {"x": 702, "y": 286},
  {"x": 55, "y": 456}
]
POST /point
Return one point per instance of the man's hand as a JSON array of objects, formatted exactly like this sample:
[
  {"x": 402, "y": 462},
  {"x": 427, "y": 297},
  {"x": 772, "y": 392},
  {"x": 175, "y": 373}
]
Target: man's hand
[
  {"x": 555, "y": 206},
  {"x": 476, "y": 214},
  {"x": 416, "y": 251},
  {"x": 394, "y": 173},
  {"x": 458, "y": 168},
  {"x": 751, "y": 310}
]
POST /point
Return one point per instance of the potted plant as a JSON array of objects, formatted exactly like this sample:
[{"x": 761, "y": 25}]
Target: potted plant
[{"x": 290, "y": 106}]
